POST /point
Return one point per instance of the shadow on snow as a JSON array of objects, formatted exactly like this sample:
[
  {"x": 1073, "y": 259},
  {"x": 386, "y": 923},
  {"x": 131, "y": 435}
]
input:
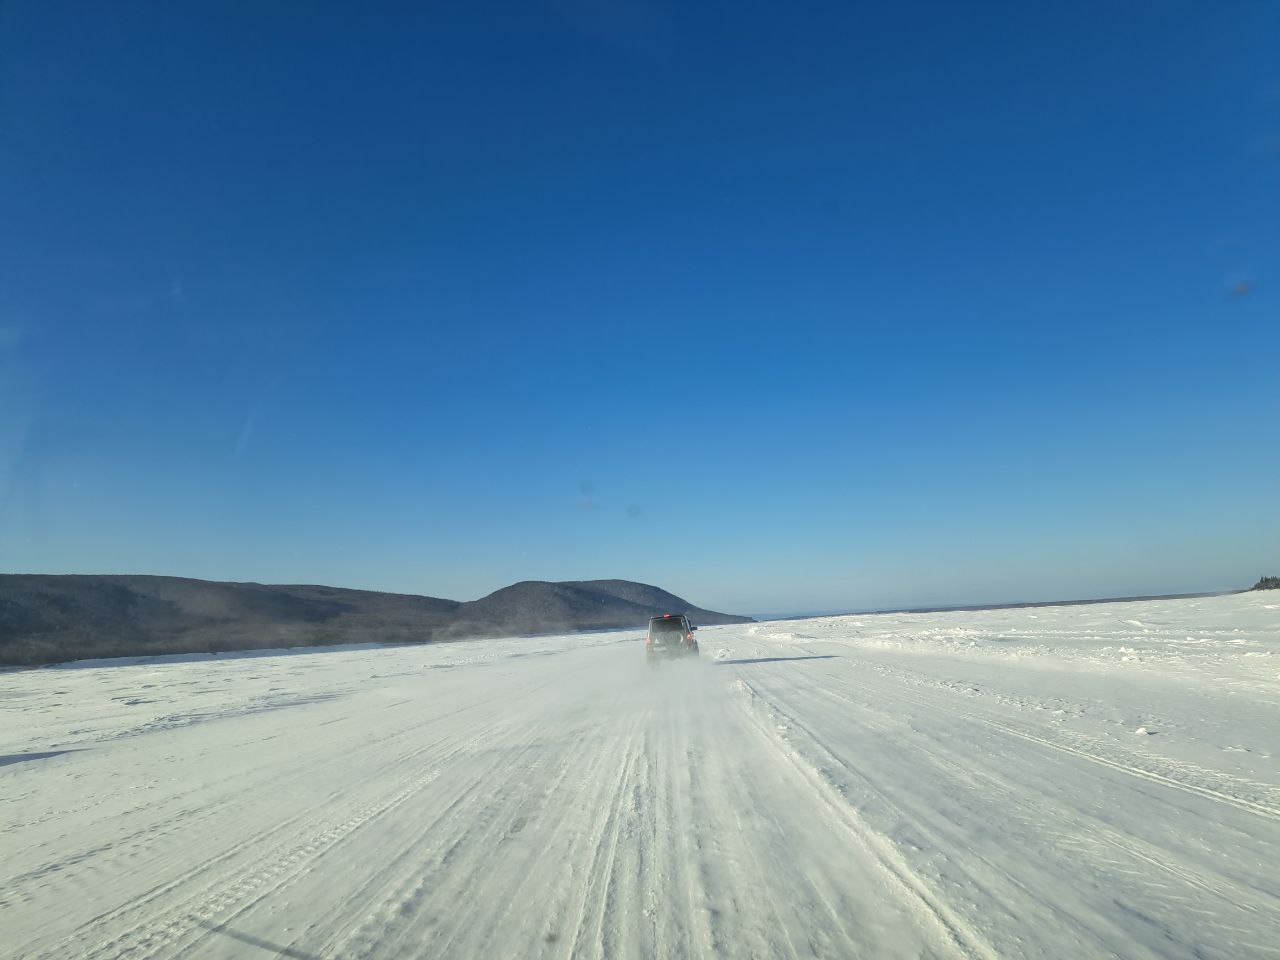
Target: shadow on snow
[
  {"x": 816, "y": 656},
  {"x": 278, "y": 949},
  {"x": 8, "y": 758}
]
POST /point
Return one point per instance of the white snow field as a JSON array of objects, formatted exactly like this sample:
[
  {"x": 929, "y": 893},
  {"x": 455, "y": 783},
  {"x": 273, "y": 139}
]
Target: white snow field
[{"x": 1072, "y": 781}]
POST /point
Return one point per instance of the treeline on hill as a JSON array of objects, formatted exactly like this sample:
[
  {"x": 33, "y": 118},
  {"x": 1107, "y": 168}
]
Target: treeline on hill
[
  {"x": 1267, "y": 583},
  {"x": 51, "y": 619}
]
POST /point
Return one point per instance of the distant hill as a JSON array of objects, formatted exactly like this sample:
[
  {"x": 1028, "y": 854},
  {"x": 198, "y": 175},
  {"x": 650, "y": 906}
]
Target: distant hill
[
  {"x": 536, "y": 606},
  {"x": 49, "y": 619}
]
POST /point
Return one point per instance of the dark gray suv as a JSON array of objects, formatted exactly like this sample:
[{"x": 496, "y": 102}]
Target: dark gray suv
[{"x": 670, "y": 635}]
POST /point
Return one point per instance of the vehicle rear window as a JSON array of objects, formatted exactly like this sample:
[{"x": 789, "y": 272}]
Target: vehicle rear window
[{"x": 673, "y": 625}]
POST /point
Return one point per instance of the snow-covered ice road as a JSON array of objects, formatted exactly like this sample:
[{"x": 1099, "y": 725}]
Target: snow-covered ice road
[{"x": 1074, "y": 781}]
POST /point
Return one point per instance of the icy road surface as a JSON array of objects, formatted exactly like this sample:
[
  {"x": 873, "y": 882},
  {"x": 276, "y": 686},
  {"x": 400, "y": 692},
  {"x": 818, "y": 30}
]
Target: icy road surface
[{"x": 1079, "y": 781}]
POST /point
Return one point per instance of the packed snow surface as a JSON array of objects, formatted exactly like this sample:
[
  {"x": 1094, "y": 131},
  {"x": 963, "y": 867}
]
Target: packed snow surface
[{"x": 1075, "y": 781}]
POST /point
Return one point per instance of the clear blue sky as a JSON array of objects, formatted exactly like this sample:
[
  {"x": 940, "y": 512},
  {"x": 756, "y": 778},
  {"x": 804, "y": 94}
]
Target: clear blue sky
[{"x": 781, "y": 306}]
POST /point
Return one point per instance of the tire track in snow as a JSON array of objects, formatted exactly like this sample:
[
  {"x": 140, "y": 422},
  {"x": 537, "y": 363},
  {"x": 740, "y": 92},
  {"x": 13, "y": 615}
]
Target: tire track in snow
[
  {"x": 952, "y": 929},
  {"x": 196, "y": 817},
  {"x": 1094, "y": 907},
  {"x": 1267, "y": 810},
  {"x": 506, "y": 741},
  {"x": 589, "y": 920},
  {"x": 1078, "y": 835},
  {"x": 683, "y": 847},
  {"x": 415, "y": 872},
  {"x": 155, "y": 934},
  {"x": 472, "y": 860},
  {"x": 1260, "y": 901}
]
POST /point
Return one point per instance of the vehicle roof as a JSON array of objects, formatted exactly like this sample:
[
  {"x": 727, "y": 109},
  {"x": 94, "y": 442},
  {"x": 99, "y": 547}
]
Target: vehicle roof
[{"x": 669, "y": 616}]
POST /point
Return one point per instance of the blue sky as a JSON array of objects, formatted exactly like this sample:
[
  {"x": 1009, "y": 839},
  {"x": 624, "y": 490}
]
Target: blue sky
[{"x": 783, "y": 307}]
